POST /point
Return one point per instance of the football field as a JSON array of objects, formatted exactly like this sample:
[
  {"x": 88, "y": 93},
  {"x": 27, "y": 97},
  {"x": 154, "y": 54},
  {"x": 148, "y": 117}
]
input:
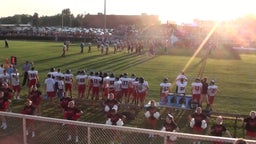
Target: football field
[{"x": 233, "y": 72}]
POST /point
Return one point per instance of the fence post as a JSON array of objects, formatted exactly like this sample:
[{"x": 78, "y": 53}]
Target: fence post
[
  {"x": 89, "y": 135},
  {"x": 24, "y": 130}
]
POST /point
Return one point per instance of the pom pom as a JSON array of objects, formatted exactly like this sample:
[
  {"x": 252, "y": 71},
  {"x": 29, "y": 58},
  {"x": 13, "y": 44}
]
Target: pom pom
[
  {"x": 108, "y": 122},
  {"x": 115, "y": 107},
  {"x": 192, "y": 122},
  {"x": 107, "y": 108},
  {"x": 76, "y": 116},
  {"x": 119, "y": 123},
  {"x": 156, "y": 115},
  {"x": 173, "y": 137},
  {"x": 204, "y": 124},
  {"x": 147, "y": 114},
  {"x": 163, "y": 129}
]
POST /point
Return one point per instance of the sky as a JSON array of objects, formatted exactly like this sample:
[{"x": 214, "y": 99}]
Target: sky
[{"x": 178, "y": 11}]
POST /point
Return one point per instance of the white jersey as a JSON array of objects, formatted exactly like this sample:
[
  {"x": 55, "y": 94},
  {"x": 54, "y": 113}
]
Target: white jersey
[
  {"x": 68, "y": 78},
  {"x": 125, "y": 82},
  {"x": 1, "y": 70},
  {"x": 4, "y": 77},
  {"x": 32, "y": 74},
  {"x": 53, "y": 74},
  {"x": 15, "y": 81},
  {"x": 165, "y": 87},
  {"x": 81, "y": 79},
  {"x": 49, "y": 84},
  {"x": 196, "y": 87},
  {"x": 106, "y": 82},
  {"x": 96, "y": 81},
  {"x": 60, "y": 84},
  {"x": 181, "y": 76},
  {"x": 142, "y": 87},
  {"x": 181, "y": 87},
  {"x": 117, "y": 85},
  {"x": 212, "y": 90},
  {"x": 111, "y": 82},
  {"x": 58, "y": 74}
]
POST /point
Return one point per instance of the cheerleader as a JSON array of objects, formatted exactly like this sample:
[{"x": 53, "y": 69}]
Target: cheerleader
[
  {"x": 110, "y": 103},
  {"x": 170, "y": 126},
  {"x": 29, "y": 109},
  {"x": 4, "y": 105},
  {"x": 250, "y": 125},
  {"x": 152, "y": 115},
  {"x": 218, "y": 129},
  {"x": 64, "y": 102},
  {"x": 198, "y": 121},
  {"x": 72, "y": 113},
  {"x": 36, "y": 97},
  {"x": 114, "y": 118}
]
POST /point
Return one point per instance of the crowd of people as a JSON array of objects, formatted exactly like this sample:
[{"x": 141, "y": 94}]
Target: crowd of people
[{"x": 113, "y": 90}]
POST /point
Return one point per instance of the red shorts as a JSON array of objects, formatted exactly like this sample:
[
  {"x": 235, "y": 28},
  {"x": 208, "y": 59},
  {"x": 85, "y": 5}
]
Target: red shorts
[
  {"x": 51, "y": 94},
  {"x": 90, "y": 87},
  {"x": 125, "y": 92},
  {"x": 211, "y": 99},
  {"x": 152, "y": 122},
  {"x": 130, "y": 90},
  {"x": 81, "y": 88},
  {"x": 118, "y": 94},
  {"x": 196, "y": 97},
  {"x": 111, "y": 90},
  {"x": 250, "y": 134},
  {"x": 16, "y": 88},
  {"x": 96, "y": 90},
  {"x": 68, "y": 87},
  {"x": 106, "y": 92},
  {"x": 32, "y": 82},
  {"x": 197, "y": 129},
  {"x": 141, "y": 96}
]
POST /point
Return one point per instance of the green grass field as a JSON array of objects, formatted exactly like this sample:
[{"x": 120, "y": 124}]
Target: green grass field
[{"x": 233, "y": 72}]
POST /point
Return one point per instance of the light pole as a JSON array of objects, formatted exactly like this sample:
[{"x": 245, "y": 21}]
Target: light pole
[
  {"x": 105, "y": 17},
  {"x": 62, "y": 21}
]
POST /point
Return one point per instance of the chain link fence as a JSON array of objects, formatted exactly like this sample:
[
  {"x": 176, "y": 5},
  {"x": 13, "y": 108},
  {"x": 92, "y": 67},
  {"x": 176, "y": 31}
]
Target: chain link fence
[{"x": 26, "y": 129}]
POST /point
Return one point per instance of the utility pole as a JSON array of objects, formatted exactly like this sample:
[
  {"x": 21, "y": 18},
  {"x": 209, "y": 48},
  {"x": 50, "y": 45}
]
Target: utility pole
[{"x": 105, "y": 17}]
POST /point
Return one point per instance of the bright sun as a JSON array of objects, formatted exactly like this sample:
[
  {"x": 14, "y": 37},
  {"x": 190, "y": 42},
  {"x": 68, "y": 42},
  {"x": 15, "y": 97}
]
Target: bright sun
[{"x": 217, "y": 10}]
